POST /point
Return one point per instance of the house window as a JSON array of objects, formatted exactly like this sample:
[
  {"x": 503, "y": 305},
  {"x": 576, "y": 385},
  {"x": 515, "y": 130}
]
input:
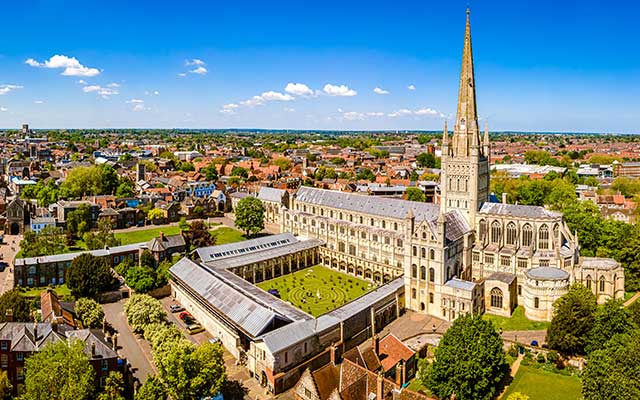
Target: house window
[
  {"x": 496, "y": 298},
  {"x": 483, "y": 230},
  {"x": 307, "y": 393},
  {"x": 305, "y": 347},
  {"x": 20, "y": 374},
  {"x": 432, "y": 254},
  {"x": 544, "y": 263},
  {"x": 488, "y": 259},
  {"x": 432, "y": 275},
  {"x": 430, "y": 298},
  {"x": 423, "y": 252},
  {"x": 414, "y": 271},
  {"x": 19, "y": 356},
  {"x": 105, "y": 365},
  {"x": 536, "y": 302},
  {"x": 476, "y": 256},
  {"x": 522, "y": 263},
  {"x": 4, "y": 361},
  {"x": 505, "y": 261},
  {"x": 415, "y": 251},
  {"x": 422, "y": 306},
  {"x": 399, "y": 242},
  {"x": 413, "y": 293},
  {"x": 4, "y": 346},
  {"x": 519, "y": 290},
  {"x": 423, "y": 272},
  {"x": 588, "y": 280}
]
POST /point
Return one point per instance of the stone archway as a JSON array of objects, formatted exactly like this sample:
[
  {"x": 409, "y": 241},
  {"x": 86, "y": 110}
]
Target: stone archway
[{"x": 14, "y": 228}]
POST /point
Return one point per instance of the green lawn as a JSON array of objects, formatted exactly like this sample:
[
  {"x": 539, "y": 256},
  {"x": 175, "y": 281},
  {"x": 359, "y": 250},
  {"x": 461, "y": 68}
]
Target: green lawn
[
  {"x": 227, "y": 235},
  {"x": 517, "y": 322},
  {"x": 418, "y": 387},
  {"x": 61, "y": 291},
  {"x": 144, "y": 235},
  {"x": 539, "y": 384},
  {"x": 317, "y": 290}
]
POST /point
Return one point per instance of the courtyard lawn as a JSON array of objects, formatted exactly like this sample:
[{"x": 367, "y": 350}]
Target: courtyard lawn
[
  {"x": 61, "y": 291},
  {"x": 317, "y": 290},
  {"x": 226, "y": 235},
  {"x": 144, "y": 235},
  {"x": 539, "y": 384},
  {"x": 517, "y": 322}
]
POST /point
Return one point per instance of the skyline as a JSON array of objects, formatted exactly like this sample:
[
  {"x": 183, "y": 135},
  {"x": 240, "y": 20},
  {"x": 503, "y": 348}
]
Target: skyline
[{"x": 539, "y": 67}]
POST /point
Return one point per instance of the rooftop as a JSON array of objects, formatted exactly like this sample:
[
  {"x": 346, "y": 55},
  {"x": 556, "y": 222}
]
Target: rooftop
[{"x": 547, "y": 274}]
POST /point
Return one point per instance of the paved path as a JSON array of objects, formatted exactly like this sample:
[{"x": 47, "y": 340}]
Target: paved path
[
  {"x": 131, "y": 347},
  {"x": 525, "y": 337},
  {"x": 514, "y": 370},
  {"x": 632, "y": 299},
  {"x": 8, "y": 249}
]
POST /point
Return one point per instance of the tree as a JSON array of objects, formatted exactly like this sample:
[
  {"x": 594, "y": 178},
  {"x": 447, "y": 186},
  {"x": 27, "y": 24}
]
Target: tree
[
  {"x": 60, "y": 371},
  {"x": 240, "y": 172},
  {"x": 611, "y": 319},
  {"x": 573, "y": 317},
  {"x": 48, "y": 241},
  {"x": 415, "y": 194},
  {"x": 113, "y": 388},
  {"x": 160, "y": 333},
  {"x": 283, "y": 163},
  {"x": 189, "y": 371},
  {"x": 250, "y": 215},
  {"x": 152, "y": 389},
  {"x": 612, "y": 372},
  {"x": 79, "y": 220},
  {"x": 18, "y": 304},
  {"x": 125, "y": 189},
  {"x": 89, "y": 313},
  {"x": 366, "y": 174},
  {"x": 469, "y": 361},
  {"x": 198, "y": 235},
  {"x": 5, "y": 386},
  {"x": 141, "y": 279},
  {"x": 183, "y": 224},
  {"x": 210, "y": 172},
  {"x": 89, "y": 275},
  {"x": 233, "y": 390},
  {"x": 103, "y": 238},
  {"x": 155, "y": 214},
  {"x": 142, "y": 310},
  {"x": 427, "y": 160}
]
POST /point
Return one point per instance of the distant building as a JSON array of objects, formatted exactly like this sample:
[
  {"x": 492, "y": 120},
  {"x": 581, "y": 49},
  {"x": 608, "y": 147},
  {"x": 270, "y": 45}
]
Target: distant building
[{"x": 39, "y": 223}]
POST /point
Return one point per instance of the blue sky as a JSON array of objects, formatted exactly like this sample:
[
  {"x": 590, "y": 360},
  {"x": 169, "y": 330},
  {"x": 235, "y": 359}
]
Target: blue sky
[{"x": 540, "y": 65}]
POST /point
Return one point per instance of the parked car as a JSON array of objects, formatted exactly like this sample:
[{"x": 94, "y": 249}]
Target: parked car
[
  {"x": 176, "y": 308},
  {"x": 189, "y": 321},
  {"x": 184, "y": 315},
  {"x": 194, "y": 328},
  {"x": 214, "y": 340}
]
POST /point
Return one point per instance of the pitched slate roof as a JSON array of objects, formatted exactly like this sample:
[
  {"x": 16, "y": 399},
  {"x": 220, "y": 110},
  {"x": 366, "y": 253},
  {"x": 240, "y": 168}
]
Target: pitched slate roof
[
  {"x": 384, "y": 207},
  {"x": 271, "y": 194},
  {"x": 517, "y": 210}
]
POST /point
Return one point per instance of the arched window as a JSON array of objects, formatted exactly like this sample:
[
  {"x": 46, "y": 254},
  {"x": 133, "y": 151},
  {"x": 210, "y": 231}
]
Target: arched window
[
  {"x": 536, "y": 302},
  {"x": 432, "y": 275},
  {"x": 602, "y": 283},
  {"x": 615, "y": 282},
  {"x": 588, "y": 281},
  {"x": 432, "y": 254},
  {"x": 423, "y": 273},
  {"x": 414, "y": 271},
  {"x": 496, "y": 298},
  {"x": 423, "y": 252},
  {"x": 483, "y": 230},
  {"x": 395, "y": 226},
  {"x": 512, "y": 233},
  {"x": 556, "y": 234},
  {"x": 495, "y": 232},
  {"x": 413, "y": 293},
  {"x": 543, "y": 237},
  {"x": 422, "y": 306},
  {"x": 527, "y": 235},
  {"x": 415, "y": 251}
]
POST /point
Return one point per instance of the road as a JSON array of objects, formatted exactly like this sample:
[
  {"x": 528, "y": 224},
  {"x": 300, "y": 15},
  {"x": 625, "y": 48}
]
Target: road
[
  {"x": 8, "y": 250},
  {"x": 136, "y": 350}
]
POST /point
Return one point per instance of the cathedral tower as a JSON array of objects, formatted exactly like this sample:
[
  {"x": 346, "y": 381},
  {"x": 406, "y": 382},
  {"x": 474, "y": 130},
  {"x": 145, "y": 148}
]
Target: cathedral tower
[{"x": 464, "y": 182}]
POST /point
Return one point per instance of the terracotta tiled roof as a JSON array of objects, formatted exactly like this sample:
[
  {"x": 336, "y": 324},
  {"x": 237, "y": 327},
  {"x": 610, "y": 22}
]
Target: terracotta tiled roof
[{"x": 392, "y": 350}]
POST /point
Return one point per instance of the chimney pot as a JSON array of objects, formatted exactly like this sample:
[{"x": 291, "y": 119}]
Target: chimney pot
[
  {"x": 376, "y": 344},
  {"x": 504, "y": 198},
  {"x": 93, "y": 349},
  {"x": 9, "y": 315}
]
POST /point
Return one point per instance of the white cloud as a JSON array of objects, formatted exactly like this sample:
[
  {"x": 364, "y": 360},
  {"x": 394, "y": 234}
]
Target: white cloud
[
  {"x": 181, "y": 74},
  {"x": 104, "y": 92},
  {"x": 411, "y": 87},
  {"x": 378, "y": 90},
  {"x": 266, "y": 97},
  {"x": 195, "y": 61},
  {"x": 400, "y": 113},
  {"x": 353, "y": 116},
  {"x": 289, "y": 109},
  {"x": 152, "y": 93},
  {"x": 4, "y": 109},
  {"x": 140, "y": 107},
  {"x": 420, "y": 112},
  {"x": 38, "y": 102},
  {"x": 375, "y": 114},
  {"x": 134, "y": 101},
  {"x": 113, "y": 85},
  {"x": 229, "y": 109},
  {"x": 4, "y": 89},
  {"x": 299, "y": 89},
  {"x": 426, "y": 111},
  {"x": 71, "y": 65},
  {"x": 338, "y": 90},
  {"x": 82, "y": 82},
  {"x": 200, "y": 70}
]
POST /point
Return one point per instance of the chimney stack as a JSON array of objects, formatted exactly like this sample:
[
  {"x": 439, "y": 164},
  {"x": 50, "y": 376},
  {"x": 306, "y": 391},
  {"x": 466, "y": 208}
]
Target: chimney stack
[
  {"x": 161, "y": 236},
  {"x": 93, "y": 349},
  {"x": 9, "y": 315},
  {"x": 114, "y": 341},
  {"x": 375, "y": 342},
  {"x": 504, "y": 198},
  {"x": 332, "y": 354},
  {"x": 379, "y": 387},
  {"x": 35, "y": 331}
]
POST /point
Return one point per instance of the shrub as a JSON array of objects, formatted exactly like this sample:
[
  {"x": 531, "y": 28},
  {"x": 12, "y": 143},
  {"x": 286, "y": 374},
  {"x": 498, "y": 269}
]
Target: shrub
[
  {"x": 513, "y": 351},
  {"x": 552, "y": 356},
  {"x": 541, "y": 359}
]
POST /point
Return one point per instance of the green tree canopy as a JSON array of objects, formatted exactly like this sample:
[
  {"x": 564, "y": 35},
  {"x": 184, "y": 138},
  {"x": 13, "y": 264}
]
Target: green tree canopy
[
  {"x": 89, "y": 312},
  {"x": 611, "y": 319},
  {"x": 142, "y": 310},
  {"x": 415, "y": 194},
  {"x": 428, "y": 160},
  {"x": 79, "y": 220},
  {"x": 18, "y": 304},
  {"x": 152, "y": 389},
  {"x": 573, "y": 317},
  {"x": 59, "y": 371},
  {"x": 50, "y": 240},
  {"x": 89, "y": 275},
  {"x": 113, "y": 388},
  {"x": 469, "y": 361},
  {"x": 250, "y": 215}
]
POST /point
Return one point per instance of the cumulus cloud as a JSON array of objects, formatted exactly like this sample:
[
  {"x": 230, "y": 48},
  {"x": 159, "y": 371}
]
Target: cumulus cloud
[
  {"x": 4, "y": 89},
  {"x": 298, "y": 89},
  {"x": 38, "y": 102},
  {"x": 70, "y": 65},
  {"x": 375, "y": 114},
  {"x": 182, "y": 74},
  {"x": 152, "y": 93},
  {"x": 113, "y": 85},
  {"x": 359, "y": 116},
  {"x": 3, "y": 109},
  {"x": 140, "y": 107},
  {"x": 420, "y": 112},
  {"x": 135, "y": 101},
  {"x": 266, "y": 97},
  {"x": 200, "y": 70},
  {"x": 104, "y": 92},
  {"x": 400, "y": 113},
  {"x": 338, "y": 90},
  {"x": 195, "y": 61},
  {"x": 378, "y": 90},
  {"x": 411, "y": 87},
  {"x": 229, "y": 109}
]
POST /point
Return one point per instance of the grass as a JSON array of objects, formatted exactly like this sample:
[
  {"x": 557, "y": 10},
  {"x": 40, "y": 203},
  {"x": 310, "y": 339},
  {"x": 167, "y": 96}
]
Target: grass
[
  {"x": 628, "y": 295},
  {"x": 302, "y": 288},
  {"x": 517, "y": 322},
  {"x": 227, "y": 235},
  {"x": 144, "y": 235},
  {"x": 539, "y": 384},
  {"x": 417, "y": 386},
  {"x": 61, "y": 291}
]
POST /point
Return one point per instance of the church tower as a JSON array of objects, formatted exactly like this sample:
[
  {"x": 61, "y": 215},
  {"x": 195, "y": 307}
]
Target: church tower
[{"x": 464, "y": 181}]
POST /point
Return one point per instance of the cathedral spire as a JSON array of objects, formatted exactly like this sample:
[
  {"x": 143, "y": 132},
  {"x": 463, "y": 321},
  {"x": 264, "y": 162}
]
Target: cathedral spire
[
  {"x": 445, "y": 139},
  {"x": 466, "y": 132}
]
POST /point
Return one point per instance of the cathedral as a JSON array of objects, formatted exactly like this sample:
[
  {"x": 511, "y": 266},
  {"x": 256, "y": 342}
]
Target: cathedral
[{"x": 464, "y": 255}]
